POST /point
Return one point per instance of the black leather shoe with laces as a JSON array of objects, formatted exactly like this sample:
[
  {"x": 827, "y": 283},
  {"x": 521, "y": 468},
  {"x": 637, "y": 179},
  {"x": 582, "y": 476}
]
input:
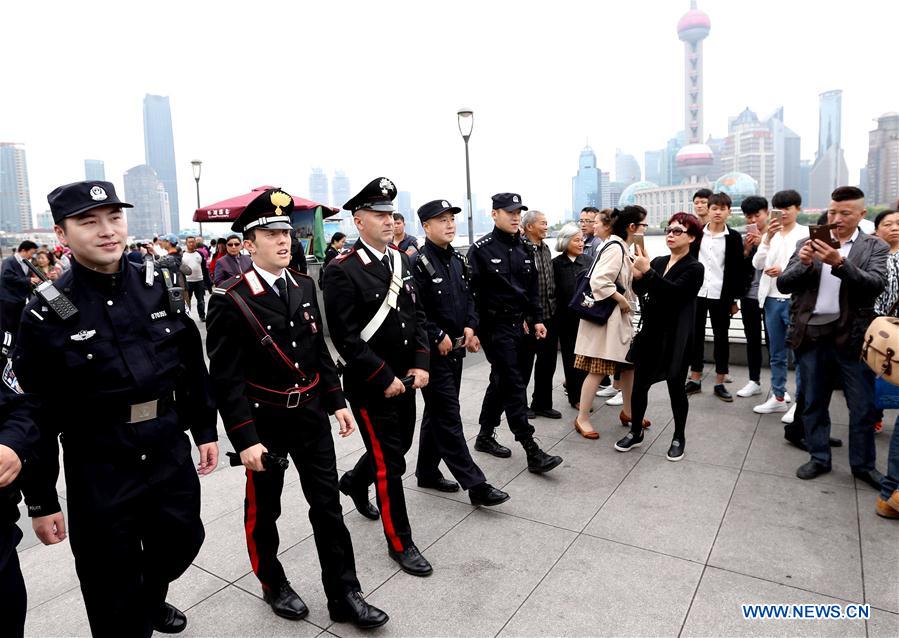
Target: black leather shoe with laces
[
  {"x": 412, "y": 562},
  {"x": 169, "y": 620},
  {"x": 539, "y": 462},
  {"x": 285, "y": 602},
  {"x": 352, "y": 608},
  {"x": 490, "y": 445},
  {"x": 486, "y": 494}
]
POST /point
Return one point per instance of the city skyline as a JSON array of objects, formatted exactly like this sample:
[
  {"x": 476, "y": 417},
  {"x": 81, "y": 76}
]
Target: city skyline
[{"x": 276, "y": 131}]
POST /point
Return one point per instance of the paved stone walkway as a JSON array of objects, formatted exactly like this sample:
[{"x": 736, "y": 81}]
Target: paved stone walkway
[{"x": 607, "y": 544}]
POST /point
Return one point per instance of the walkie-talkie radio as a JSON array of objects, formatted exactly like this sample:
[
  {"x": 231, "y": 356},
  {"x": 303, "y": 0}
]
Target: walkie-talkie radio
[{"x": 51, "y": 295}]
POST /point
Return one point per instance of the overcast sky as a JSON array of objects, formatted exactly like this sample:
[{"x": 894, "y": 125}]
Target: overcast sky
[{"x": 263, "y": 91}]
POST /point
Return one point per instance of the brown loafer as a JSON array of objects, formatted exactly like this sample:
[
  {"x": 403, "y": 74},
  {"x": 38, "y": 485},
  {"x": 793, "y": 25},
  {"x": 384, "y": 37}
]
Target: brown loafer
[
  {"x": 626, "y": 420},
  {"x": 587, "y": 434},
  {"x": 894, "y": 500},
  {"x": 884, "y": 509}
]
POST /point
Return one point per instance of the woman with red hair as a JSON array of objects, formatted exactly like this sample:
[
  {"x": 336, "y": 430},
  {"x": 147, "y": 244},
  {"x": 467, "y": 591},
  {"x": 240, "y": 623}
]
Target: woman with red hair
[{"x": 660, "y": 352}]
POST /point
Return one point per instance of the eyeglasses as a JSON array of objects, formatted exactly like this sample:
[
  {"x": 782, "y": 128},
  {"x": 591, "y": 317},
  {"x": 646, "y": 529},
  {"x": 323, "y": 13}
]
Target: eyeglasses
[
  {"x": 677, "y": 232},
  {"x": 232, "y": 243},
  {"x": 643, "y": 224}
]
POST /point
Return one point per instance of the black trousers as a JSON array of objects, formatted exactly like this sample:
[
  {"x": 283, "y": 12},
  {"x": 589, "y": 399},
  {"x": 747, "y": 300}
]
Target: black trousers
[
  {"x": 305, "y": 435},
  {"x": 753, "y": 324},
  {"x": 677, "y": 394},
  {"x": 574, "y": 378},
  {"x": 719, "y": 312},
  {"x": 10, "y": 316},
  {"x": 545, "y": 351},
  {"x": 13, "y": 601},
  {"x": 128, "y": 551},
  {"x": 197, "y": 291},
  {"x": 441, "y": 434},
  {"x": 506, "y": 351},
  {"x": 387, "y": 427}
]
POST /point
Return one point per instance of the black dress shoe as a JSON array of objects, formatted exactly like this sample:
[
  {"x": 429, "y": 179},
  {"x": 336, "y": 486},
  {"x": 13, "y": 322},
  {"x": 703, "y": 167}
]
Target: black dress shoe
[
  {"x": 360, "y": 500},
  {"x": 352, "y": 608},
  {"x": 531, "y": 414},
  {"x": 539, "y": 462},
  {"x": 486, "y": 494},
  {"x": 285, "y": 602},
  {"x": 412, "y": 562},
  {"x": 169, "y": 620},
  {"x": 871, "y": 477},
  {"x": 835, "y": 442},
  {"x": 490, "y": 445},
  {"x": 693, "y": 387},
  {"x": 440, "y": 484},
  {"x": 811, "y": 469},
  {"x": 548, "y": 413},
  {"x": 722, "y": 393}
]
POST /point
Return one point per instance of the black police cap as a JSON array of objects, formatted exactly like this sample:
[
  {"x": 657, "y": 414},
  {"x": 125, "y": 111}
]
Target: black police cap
[
  {"x": 269, "y": 210},
  {"x": 435, "y": 208},
  {"x": 377, "y": 195},
  {"x": 509, "y": 202},
  {"x": 80, "y": 197}
]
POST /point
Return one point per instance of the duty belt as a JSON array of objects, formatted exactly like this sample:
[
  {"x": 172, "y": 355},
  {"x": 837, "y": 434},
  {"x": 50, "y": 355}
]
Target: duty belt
[
  {"x": 140, "y": 412},
  {"x": 289, "y": 398}
]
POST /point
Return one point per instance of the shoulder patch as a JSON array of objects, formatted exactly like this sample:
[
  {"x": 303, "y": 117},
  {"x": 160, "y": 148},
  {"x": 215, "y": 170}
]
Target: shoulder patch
[
  {"x": 253, "y": 282},
  {"x": 363, "y": 257},
  {"x": 9, "y": 378},
  {"x": 483, "y": 241},
  {"x": 343, "y": 256}
]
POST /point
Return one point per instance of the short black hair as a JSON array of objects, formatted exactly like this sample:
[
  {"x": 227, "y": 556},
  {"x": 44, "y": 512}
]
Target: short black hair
[
  {"x": 589, "y": 209},
  {"x": 847, "y": 194},
  {"x": 230, "y": 237},
  {"x": 336, "y": 237},
  {"x": 787, "y": 198},
  {"x": 881, "y": 216},
  {"x": 26, "y": 245},
  {"x": 753, "y": 204},
  {"x": 399, "y": 217},
  {"x": 250, "y": 234},
  {"x": 704, "y": 193},
  {"x": 623, "y": 218},
  {"x": 720, "y": 199},
  {"x": 190, "y": 237}
]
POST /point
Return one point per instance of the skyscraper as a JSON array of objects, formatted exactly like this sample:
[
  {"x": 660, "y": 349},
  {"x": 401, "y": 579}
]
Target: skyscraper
[
  {"x": 829, "y": 169},
  {"x": 318, "y": 187},
  {"x": 159, "y": 149},
  {"x": 627, "y": 170},
  {"x": 748, "y": 148},
  {"x": 340, "y": 187},
  {"x": 692, "y": 29},
  {"x": 94, "y": 170},
  {"x": 786, "y": 152},
  {"x": 151, "y": 215},
  {"x": 15, "y": 198},
  {"x": 586, "y": 186},
  {"x": 652, "y": 163},
  {"x": 882, "y": 174}
]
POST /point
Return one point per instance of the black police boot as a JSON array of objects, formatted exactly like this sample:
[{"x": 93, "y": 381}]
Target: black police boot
[
  {"x": 439, "y": 483},
  {"x": 539, "y": 461},
  {"x": 169, "y": 620},
  {"x": 411, "y": 561},
  {"x": 360, "y": 499},
  {"x": 352, "y": 608},
  {"x": 486, "y": 494},
  {"x": 489, "y": 444},
  {"x": 285, "y": 602}
]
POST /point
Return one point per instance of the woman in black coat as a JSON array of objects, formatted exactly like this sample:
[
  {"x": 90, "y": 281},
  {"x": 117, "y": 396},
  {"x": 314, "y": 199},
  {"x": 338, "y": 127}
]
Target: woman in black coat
[
  {"x": 566, "y": 267},
  {"x": 661, "y": 350}
]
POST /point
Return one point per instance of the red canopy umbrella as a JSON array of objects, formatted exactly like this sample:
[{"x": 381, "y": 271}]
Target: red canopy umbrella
[{"x": 230, "y": 209}]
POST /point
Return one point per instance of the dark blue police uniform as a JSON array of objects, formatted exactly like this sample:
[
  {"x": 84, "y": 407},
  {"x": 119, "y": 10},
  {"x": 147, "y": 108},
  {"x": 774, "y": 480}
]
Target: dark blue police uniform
[
  {"x": 135, "y": 380},
  {"x": 504, "y": 281}
]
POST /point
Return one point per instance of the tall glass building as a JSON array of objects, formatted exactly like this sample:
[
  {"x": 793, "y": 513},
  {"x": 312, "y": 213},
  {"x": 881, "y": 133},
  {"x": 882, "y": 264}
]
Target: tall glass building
[
  {"x": 159, "y": 149},
  {"x": 830, "y": 107},
  {"x": 94, "y": 170},
  {"x": 151, "y": 215},
  {"x": 15, "y": 198},
  {"x": 586, "y": 186},
  {"x": 318, "y": 187}
]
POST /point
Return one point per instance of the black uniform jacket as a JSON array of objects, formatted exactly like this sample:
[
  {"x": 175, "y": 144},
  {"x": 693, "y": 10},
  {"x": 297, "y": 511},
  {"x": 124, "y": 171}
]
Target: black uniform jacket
[
  {"x": 17, "y": 432},
  {"x": 441, "y": 276},
  {"x": 246, "y": 373},
  {"x": 504, "y": 278},
  {"x": 124, "y": 347},
  {"x": 355, "y": 284}
]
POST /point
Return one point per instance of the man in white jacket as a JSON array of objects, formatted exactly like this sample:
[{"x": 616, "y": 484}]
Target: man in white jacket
[{"x": 777, "y": 246}]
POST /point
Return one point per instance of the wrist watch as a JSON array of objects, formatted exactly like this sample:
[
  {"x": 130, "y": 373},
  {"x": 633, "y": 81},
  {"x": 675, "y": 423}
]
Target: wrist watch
[{"x": 840, "y": 265}]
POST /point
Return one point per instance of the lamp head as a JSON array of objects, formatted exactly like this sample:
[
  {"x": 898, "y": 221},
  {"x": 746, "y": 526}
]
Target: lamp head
[
  {"x": 196, "y": 165},
  {"x": 466, "y": 122}
]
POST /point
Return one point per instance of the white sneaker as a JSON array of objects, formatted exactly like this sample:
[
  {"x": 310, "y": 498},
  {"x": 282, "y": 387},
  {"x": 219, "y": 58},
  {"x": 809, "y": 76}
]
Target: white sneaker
[
  {"x": 749, "y": 390},
  {"x": 771, "y": 406},
  {"x": 787, "y": 397},
  {"x": 606, "y": 391},
  {"x": 788, "y": 417},
  {"x": 618, "y": 399}
]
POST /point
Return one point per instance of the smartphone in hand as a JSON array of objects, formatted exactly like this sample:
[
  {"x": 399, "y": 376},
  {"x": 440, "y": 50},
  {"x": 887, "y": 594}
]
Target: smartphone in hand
[
  {"x": 823, "y": 233},
  {"x": 638, "y": 241}
]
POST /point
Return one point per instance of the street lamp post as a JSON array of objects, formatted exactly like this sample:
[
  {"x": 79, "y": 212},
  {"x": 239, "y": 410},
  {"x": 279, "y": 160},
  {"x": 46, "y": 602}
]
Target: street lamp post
[
  {"x": 466, "y": 124},
  {"x": 197, "y": 165}
]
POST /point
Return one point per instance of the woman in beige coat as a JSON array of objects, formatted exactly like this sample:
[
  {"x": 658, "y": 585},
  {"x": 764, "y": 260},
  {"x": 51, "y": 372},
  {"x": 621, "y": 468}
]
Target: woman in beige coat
[{"x": 601, "y": 350}]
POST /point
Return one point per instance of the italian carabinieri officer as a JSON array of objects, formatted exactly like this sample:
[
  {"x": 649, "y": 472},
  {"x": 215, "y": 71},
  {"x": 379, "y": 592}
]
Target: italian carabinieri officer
[
  {"x": 378, "y": 328},
  {"x": 276, "y": 383}
]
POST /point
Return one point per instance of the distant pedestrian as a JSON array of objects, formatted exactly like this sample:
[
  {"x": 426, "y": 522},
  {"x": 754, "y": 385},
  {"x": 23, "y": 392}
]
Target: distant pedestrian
[
  {"x": 15, "y": 286},
  {"x": 231, "y": 264},
  {"x": 566, "y": 268},
  {"x": 586, "y": 222},
  {"x": 406, "y": 243},
  {"x": 197, "y": 276}
]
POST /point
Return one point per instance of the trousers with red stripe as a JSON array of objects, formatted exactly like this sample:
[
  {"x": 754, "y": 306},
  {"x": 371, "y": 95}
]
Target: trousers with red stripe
[
  {"x": 305, "y": 435},
  {"x": 387, "y": 427}
]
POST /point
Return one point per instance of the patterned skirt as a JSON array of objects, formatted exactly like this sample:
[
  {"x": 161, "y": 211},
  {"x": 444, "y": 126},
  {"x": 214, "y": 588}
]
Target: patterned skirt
[{"x": 594, "y": 365}]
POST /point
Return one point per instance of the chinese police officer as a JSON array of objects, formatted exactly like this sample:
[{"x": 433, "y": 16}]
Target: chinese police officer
[
  {"x": 378, "y": 328},
  {"x": 441, "y": 277},
  {"x": 135, "y": 380},
  {"x": 275, "y": 383},
  {"x": 504, "y": 281}
]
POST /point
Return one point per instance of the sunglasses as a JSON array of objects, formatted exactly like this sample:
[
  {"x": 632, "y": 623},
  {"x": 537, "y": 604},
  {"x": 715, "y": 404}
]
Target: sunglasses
[
  {"x": 232, "y": 243},
  {"x": 677, "y": 232}
]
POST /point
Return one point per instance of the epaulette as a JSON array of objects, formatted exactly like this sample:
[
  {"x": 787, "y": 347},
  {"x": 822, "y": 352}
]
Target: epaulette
[
  {"x": 297, "y": 273},
  {"x": 228, "y": 284},
  {"x": 483, "y": 241},
  {"x": 343, "y": 256}
]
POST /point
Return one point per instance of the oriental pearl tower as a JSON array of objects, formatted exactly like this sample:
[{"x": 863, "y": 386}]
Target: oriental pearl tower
[{"x": 695, "y": 160}]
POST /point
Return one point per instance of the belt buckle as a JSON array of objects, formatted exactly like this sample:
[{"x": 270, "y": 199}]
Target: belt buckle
[
  {"x": 293, "y": 399},
  {"x": 146, "y": 411}
]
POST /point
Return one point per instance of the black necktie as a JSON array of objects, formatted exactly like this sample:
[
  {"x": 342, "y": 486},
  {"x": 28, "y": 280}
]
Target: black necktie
[
  {"x": 386, "y": 261},
  {"x": 281, "y": 285}
]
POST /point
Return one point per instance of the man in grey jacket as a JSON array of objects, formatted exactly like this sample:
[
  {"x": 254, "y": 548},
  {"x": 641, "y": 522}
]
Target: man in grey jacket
[{"x": 833, "y": 297}]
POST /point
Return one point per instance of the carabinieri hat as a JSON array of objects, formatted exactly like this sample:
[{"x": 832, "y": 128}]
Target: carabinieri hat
[
  {"x": 271, "y": 210},
  {"x": 435, "y": 208},
  {"x": 80, "y": 197},
  {"x": 509, "y": 202},
  {"x": 378, "y": 195}
]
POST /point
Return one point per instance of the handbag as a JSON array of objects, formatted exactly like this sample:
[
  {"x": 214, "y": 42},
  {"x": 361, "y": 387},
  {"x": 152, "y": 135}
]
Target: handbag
[
  {"x": 881, "y": 348},
  {"x": 582, "y": 302}
]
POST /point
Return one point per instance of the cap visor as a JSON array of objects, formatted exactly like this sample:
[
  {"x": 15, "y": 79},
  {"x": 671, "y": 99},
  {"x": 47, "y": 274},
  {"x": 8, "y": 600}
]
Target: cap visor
[
  {"x": 81, "y": 211},
  {"x": 380, "y": 208},
  {"x": 514, "y": 207},
  {"x": 276, "y": 226}
]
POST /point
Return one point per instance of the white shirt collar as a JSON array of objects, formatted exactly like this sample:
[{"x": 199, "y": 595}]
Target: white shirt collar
[
  {"x": 379, "y": 255},
  {"x": 269, "y": 278}
]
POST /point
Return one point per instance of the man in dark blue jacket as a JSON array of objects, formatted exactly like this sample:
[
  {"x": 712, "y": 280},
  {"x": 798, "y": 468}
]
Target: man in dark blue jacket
[{"x": 15, "y": 287}]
